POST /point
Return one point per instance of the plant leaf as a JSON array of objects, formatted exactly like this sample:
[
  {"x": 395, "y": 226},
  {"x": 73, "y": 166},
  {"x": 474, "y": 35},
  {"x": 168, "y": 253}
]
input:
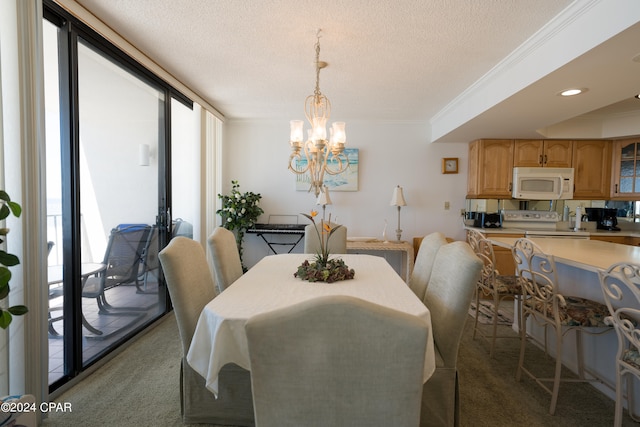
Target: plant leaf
[
  {"x": 4, "y": 291},
  {"x": 8, "y": 259},
  {"x": 16, "y": 209},
  {"x": 4, "y": 211},
  {"x": 18, "y": 310},
  {"x": 5, "y": 319}
]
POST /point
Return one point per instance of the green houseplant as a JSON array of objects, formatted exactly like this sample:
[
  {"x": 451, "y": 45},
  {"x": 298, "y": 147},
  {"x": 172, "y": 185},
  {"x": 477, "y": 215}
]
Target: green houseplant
[
  {"x": 7, "y": 207},
  {"x": 239, "y": 212}
]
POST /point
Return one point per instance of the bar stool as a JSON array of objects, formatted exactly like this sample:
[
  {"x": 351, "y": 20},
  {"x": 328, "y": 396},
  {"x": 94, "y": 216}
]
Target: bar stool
[
  {"x": 494, "y": 286},
  {"x": 621, "y": 288},
  {"x": 543, "y": 303}
]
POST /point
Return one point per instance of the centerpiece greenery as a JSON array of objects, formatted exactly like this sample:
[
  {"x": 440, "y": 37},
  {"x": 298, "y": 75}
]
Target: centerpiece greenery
[
  {"x": 239, "y": 212},
  {"x": 324, "y": 269},
  {"x": 7, "y": 260}
]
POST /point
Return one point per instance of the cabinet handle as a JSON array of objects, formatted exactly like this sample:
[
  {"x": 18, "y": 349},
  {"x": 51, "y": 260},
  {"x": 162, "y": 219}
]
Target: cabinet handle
[
  {"x": 540, "y": 160},
  {"x": 616, "y": 189},
  {"x": 545, "y": 159},
  {"x": 510, "y": 186}
]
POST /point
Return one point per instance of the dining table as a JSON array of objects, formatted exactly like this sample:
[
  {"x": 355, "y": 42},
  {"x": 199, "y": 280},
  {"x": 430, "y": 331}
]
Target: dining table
[{"x": 220, "y": 337}]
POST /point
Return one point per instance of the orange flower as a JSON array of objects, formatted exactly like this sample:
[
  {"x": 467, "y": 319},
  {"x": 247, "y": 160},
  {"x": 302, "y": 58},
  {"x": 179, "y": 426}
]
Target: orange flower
[
  {"x": 327, "y": 227},
  {"x": 314, "y": 213}
]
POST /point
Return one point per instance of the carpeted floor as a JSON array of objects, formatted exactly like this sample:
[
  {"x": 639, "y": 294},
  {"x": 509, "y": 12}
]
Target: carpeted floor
[
  {"x": 139, "y": 387},
  {"x": 505, "y": 317}
]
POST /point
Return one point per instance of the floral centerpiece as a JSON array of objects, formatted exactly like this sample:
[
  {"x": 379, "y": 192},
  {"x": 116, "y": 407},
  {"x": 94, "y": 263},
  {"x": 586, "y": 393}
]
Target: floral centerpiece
[
  {"x": 239, "y": 212},
  {"x": 324, "y": 269}
]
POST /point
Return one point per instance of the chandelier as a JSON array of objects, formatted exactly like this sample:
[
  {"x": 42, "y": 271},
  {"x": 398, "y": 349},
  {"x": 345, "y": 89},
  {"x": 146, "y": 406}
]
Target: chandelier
[{"x": 320, "y": 155}]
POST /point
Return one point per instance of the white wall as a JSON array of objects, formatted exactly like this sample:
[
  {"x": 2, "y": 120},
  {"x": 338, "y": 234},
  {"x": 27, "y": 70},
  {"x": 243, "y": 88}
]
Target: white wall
[{"x": 391, "y": 153}]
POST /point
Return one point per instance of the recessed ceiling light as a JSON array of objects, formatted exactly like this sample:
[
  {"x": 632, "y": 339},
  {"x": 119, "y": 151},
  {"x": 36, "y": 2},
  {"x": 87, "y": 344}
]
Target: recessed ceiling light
[
  {"x": 638, "y": 96},
  {"x": 572, "y": 92}
]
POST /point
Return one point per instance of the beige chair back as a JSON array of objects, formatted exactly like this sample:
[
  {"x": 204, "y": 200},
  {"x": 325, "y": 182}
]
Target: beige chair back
[
  {"x": 453, "y": 280},
  {"x": 191, "y": 287},
  {"x": 337, "y": 243},
  {"x": 424, "y": 263},
  {"x": 227, "y": 265},
  {"x": 455, "y": 272},
  {"x": 189, "y": 281},
  {"x": 336, "y": 361}
]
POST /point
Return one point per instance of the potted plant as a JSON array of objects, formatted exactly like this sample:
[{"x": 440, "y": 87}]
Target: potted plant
[
  {"x": 239, "y": 212},
  {"x": 7, "y": 207},
  {"x": 324, "y": 269}
]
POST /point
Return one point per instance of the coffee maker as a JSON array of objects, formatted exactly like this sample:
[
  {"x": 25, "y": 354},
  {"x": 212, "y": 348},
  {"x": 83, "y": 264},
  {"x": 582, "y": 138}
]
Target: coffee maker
[{"x": 605, "y": 218}]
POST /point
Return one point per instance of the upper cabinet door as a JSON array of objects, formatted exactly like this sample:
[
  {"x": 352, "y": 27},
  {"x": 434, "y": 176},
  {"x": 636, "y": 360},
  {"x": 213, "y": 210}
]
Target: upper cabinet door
[
  {"x": 558, "y": 154},
  {"x": 592, "y": 164},
  {"x": 490, "y": 168},
  {"x": 543, "y": 153},
  {"x": 528, "y": 153},
  {"x": 625, "y": 177}
]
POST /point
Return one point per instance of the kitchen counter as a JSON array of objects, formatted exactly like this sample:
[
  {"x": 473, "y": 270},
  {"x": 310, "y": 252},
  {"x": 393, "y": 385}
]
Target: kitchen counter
[
  {"x": 582, "y": 233},
  {"x": 585, "y": 254}
]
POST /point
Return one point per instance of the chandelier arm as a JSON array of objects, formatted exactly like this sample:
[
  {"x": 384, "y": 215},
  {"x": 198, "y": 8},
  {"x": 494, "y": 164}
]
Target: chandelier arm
[
  {"x": 292, "y": 158},
  {"x": 343, "y": 164},
  {"x": 324, "y": 155}
]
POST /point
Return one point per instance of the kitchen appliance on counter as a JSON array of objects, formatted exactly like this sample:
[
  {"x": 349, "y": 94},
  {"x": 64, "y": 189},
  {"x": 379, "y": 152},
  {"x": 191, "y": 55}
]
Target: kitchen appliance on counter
[
  {"x": 538, "y": 224},
  {"x": 487, "y": 219},
  {"x": 605, "y": 218},
  {"x": 542, "y": 183}
]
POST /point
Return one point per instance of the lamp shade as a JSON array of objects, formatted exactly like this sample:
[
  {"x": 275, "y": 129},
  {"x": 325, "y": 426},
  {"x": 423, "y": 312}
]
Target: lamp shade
[
  {"x": 296, "y": 131},
  {"x": 398, "y": 198},
  {"x": 323, "y": 197}
]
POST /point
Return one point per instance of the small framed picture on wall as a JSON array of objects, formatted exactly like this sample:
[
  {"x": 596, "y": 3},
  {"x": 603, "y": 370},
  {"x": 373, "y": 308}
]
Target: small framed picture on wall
[{"x": 450, "y": 165}]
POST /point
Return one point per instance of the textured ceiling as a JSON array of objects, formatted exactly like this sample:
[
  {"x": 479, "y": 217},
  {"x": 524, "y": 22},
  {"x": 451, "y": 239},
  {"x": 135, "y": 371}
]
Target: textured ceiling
[{"x": 388, "y": 60}]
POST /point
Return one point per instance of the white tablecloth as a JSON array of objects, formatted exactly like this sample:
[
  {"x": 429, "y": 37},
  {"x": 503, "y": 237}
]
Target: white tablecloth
[{"x": 220, "y": 336}]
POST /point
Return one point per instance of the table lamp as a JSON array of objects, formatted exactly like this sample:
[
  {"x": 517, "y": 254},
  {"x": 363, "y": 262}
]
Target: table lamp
[
  {"x": 398, "y": 200},
  {"x": 324, "y": 199}
]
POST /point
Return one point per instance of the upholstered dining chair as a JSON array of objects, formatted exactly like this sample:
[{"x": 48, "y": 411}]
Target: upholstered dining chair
[
  {"x": 337, "y": 243},
  {"x": 227, "y": 265},
  {"x": 456, "y": 269},
  {"x": 494, "y": 287},
  {"x": 621, "y": 288},
  {"x": 191, "y": 287},
  {"x": 545, "y": 304},
  {"x": 336, "y": 361},
  {"x": 424, "y": 262}
]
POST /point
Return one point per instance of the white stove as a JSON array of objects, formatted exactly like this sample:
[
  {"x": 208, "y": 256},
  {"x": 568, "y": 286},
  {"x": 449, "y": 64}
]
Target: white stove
[{"x": 538, "y": 224}]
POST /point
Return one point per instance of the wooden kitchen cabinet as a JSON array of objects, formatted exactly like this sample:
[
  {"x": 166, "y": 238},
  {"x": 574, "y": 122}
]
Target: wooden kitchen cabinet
[
  {"x": 623, "y": 240},
  {"x": 633, "y": 241},
  {"x": 592, "y": 165},
  {"x": 625, "y": 175},
  {"x": 543, "y": 153},
  {"x": 490, "y": 168}
]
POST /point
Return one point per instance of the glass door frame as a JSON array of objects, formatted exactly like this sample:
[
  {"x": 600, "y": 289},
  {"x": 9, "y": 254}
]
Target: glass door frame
[{"x": 71, "y": 30}]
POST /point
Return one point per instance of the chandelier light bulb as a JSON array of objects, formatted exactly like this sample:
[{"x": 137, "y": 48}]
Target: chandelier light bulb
[
  {"x": 296, "y": 131},
  {"x": 338, "y": 134},
  {"x": 319, "y": 128}
]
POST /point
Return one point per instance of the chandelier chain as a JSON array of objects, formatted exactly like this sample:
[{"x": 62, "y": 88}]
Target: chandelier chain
[{"x": 317, "y": 91}]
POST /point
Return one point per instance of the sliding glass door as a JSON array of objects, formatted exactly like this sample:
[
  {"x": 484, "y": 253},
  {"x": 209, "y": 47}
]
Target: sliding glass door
[{"x": 108, "y": 132}]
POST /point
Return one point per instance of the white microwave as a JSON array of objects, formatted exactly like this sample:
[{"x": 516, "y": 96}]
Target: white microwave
[{"x": 542, "y": 183}]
